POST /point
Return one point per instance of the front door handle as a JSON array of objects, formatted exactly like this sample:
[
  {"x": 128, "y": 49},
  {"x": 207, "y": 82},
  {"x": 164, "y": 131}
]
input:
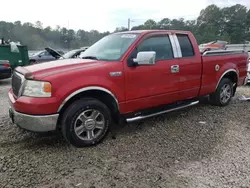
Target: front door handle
[{"x": 175, "y": 68}]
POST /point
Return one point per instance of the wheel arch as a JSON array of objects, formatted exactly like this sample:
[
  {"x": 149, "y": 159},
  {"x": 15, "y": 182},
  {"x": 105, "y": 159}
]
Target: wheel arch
[
  {"x": 233, "y": 75},
  {"x": 100, "y": 93}
]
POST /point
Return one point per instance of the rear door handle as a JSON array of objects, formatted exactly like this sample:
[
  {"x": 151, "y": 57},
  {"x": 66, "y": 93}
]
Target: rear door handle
[{"x": 175, "y": 68}]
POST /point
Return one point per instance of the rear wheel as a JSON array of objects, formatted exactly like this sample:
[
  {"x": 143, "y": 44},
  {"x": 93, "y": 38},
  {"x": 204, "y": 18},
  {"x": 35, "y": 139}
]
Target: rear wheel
[
  {"x": 86, "y": 122},
  {"x": 223, "y": 94}
]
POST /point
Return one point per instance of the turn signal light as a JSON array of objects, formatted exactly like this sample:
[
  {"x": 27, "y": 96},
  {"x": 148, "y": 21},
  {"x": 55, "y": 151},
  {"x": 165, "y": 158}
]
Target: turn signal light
[{"x": 47, "y": 87}]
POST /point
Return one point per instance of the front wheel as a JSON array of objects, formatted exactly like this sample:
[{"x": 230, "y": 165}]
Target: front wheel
[
  {"x": 86, "y": 122},
  {"x": 223, "y": 94}
]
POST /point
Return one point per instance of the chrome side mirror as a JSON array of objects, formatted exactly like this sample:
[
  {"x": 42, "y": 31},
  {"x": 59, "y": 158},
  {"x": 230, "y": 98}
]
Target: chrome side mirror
[{"x": 145, "y": 58}]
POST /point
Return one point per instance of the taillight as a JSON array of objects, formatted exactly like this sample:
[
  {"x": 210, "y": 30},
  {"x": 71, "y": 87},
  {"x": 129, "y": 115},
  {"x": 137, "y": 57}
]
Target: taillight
[{"x": 6, "y": 65}]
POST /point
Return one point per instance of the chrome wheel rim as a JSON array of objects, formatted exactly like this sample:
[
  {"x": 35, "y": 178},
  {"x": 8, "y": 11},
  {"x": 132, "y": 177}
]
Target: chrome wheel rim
[
  {"x": 89, "y": 125},
  {"x": 225, "y": 93}
]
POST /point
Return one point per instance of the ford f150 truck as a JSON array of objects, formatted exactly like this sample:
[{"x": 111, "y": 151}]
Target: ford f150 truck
[{"x": 124, "y": 77}]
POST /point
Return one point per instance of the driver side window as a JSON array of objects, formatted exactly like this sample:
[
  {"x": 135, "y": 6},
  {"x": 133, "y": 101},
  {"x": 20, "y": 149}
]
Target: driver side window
[{"x": 160, "y": 44}]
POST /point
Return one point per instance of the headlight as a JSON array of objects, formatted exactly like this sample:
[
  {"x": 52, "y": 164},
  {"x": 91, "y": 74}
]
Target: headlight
[{"x": 37, "y": 89}]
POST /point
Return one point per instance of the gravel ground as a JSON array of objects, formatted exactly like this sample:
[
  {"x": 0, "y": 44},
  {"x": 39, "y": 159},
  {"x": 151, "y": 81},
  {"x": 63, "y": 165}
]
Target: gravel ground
[{"x": 203, "y": 146}]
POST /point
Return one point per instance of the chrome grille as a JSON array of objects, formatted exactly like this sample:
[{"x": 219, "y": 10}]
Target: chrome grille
[{"x": 16, "y": 82}]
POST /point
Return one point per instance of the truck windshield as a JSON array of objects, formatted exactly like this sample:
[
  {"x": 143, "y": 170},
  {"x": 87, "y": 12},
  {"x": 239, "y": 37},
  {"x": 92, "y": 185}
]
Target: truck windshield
[{"x": 110, "y": 48}]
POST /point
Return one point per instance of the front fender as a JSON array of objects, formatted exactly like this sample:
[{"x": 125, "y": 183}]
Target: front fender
[{"x": 71, "y": 88}]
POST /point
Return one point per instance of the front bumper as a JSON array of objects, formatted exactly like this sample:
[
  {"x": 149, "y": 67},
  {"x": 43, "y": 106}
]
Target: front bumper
[{"x": 34, "y": 123}]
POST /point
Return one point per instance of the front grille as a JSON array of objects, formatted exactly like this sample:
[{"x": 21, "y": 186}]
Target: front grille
[{"x": 16, "y": 83}]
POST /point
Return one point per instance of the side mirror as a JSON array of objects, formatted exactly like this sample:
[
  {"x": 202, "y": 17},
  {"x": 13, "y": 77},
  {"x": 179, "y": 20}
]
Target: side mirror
[{"x": 145, "y": 58}]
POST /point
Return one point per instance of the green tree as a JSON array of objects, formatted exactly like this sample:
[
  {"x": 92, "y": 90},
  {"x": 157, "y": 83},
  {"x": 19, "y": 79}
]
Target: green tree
[{"x": 235, "y": 22}]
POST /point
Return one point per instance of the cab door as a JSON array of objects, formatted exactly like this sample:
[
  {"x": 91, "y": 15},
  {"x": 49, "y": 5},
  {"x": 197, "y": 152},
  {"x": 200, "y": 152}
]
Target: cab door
[
  {"x": 153, "y": 85},
  {"x": 190, "y": 66}
]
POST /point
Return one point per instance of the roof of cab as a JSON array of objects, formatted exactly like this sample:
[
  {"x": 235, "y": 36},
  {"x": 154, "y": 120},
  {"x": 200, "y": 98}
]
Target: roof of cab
[{"x": 152, "y": 31}]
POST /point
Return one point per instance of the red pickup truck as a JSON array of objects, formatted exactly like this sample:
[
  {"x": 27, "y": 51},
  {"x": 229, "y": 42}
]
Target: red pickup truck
[{"x": 123, "y": 77}]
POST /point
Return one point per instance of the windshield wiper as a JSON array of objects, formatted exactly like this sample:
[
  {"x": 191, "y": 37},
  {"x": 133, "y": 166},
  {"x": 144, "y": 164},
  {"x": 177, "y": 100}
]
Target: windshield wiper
[{"x": 90, "y": 57}]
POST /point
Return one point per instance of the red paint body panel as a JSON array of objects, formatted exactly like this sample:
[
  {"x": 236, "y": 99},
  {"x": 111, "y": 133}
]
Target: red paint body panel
[
  {"x": 148, "y": 86},
  {"x": 137, "y": 87},
  {"x": 210, "y": 77},
  {"x": 34, "y": 106},
  {"x": 190, "y": 73}
]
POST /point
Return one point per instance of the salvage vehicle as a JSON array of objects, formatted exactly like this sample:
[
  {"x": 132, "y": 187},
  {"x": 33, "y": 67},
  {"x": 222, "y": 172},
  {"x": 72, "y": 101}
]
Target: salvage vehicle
[
  {"x": 48, "y": 54},
  {"x": 5, "y": 69},
  {"x": 122, "y": 78},
  {"x": 73, "y": 53},
  {"x": 214, "y": 45}
]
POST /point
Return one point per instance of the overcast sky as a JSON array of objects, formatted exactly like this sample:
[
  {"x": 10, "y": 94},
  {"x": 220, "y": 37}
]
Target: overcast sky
[{"x": 103, "y": 15}]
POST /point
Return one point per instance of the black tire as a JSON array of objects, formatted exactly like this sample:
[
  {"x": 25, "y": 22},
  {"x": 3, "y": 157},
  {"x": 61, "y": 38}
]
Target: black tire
[
  {"x": 215, "y": 98},
  {"x": 70, "y": 117}
]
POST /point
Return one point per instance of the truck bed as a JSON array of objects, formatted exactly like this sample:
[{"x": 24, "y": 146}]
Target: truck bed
[{"x": 221, "y": 60}]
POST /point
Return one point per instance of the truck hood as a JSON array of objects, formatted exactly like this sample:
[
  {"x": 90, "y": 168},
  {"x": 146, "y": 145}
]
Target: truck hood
[{"x": 41, "y": 70}]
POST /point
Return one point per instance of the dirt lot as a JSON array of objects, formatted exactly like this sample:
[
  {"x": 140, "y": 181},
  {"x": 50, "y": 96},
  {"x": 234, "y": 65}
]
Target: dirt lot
[{"x": 203, "y": 146}]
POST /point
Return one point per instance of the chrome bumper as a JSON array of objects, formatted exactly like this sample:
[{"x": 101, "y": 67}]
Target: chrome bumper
[{"x": 35, "y": 123}]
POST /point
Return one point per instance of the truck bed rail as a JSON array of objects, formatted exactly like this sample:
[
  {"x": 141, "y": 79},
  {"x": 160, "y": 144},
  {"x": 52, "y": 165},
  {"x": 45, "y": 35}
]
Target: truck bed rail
[{"x": 222, "y": 52}]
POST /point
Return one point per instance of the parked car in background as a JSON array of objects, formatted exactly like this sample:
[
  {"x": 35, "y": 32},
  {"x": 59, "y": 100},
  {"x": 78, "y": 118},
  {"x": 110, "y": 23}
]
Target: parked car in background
[
  {"x": 124, "y": 77},
  {"x": 5, "y": 69},
  {"x": 73, "y": 53},
  {"x": 48, "y": 54}
]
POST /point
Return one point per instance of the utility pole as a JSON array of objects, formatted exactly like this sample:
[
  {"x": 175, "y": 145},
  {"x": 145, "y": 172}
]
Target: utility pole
[
  {"x": 129, "y": 21},
  {"x": 68, "y": 36},
  {"x": 129, "y": 24}
]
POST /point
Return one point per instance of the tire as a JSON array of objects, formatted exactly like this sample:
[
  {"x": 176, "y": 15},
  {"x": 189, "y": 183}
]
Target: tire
[
  {"x": 78, "y": 117},
  {"x": 224, "y": 85}
]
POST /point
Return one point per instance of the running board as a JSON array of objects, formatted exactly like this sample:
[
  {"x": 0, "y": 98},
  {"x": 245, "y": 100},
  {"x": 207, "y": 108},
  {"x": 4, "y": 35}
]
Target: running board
[{"x": 128, "y": 120}]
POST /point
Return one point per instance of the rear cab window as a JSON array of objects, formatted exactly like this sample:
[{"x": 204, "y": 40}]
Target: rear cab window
[{"x": 186, "y": 46}]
